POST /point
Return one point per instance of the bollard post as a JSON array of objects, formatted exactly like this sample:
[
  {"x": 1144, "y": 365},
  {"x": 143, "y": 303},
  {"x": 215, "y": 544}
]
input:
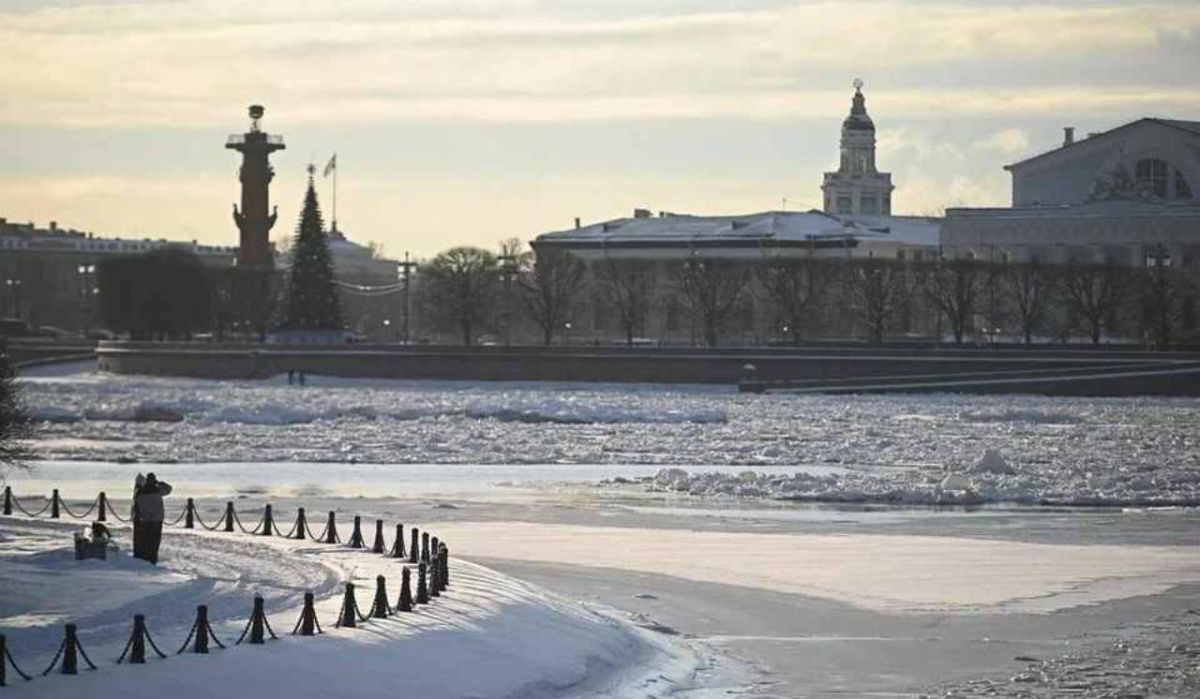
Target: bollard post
[
  {"x": 135, "y": 649},
  {"x": 3, "y": 638},
  {"x": 348, "y": 616},
  {"x": 422, "y": 587},
  {"x": 380, "y": 608},
  {"x": 435, "y": 574},
  {"x": 189, "y": 515},
  {"x": 201, "y": 645},
  {"x": 356, "y": 537},
  {"x": 414, "y": 549},
  {"x": 8, "y": 499},
  {"x": 268, "y": 521},
  {"x": 102, "y": 514},
  {"x": 405, "y": 603},
  {"x": 424, "y": 547},
  {"x": 229, "y": 516},
  {"x": 331, "y": 535},
  {"x": 445, "y": 558},
  {"x": 307, "y": 623},
  {"x": 378, "y": 547},
  {"x": 54, "y": 509},
  {"x": 433, "y": 546},
  {"x": 301, "y": 523},
  {"x": 258, "y": 626},
  {"x": 398, "y": 544}
]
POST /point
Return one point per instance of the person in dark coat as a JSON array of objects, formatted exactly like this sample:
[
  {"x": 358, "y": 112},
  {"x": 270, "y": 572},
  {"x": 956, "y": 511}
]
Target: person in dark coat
[{"x": 148, "y": 514}]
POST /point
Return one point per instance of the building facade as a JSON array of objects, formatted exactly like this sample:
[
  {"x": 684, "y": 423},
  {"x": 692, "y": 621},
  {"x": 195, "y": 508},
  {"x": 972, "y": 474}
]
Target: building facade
[
  {"x": 1126, "y": 196},
  {"x": 48, "y": 275},
  {"x": 858, "y": 188}
]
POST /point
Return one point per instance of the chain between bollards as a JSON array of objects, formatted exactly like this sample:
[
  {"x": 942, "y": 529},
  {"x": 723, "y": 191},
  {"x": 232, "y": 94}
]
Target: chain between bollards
[{"x": 6, "y": 659}]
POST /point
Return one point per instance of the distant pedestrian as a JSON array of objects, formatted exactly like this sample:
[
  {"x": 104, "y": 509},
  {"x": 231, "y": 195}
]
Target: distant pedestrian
[{"x": 148, "y": 514}]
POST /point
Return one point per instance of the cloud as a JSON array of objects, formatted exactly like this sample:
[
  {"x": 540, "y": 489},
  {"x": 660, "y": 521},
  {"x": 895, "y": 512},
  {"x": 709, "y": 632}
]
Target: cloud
[
  {"x": 1007, "y": 142},
  {"x": 173, "y": 63}
]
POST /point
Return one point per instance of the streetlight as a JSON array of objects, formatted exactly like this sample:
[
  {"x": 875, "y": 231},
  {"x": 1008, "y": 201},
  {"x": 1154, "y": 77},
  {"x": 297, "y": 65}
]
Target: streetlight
[
  {"x": 87, "y": 290},
  {"x": 404, "y": 272},
  {"x": 508, "y": 274},
  {"x": 14, "y": 291}
]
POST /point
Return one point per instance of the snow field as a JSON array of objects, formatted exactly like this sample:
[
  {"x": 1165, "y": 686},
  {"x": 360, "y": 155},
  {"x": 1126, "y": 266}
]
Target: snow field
[
  {"x": 889, "y": 573},
  {"x": 487, "y": 636}
]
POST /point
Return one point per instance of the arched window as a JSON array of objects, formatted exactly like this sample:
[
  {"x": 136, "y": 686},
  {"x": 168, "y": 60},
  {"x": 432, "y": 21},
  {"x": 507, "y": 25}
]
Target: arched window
[
  {"x": 1156, "y": 177},
  {"x": 1151, "y": 175}
]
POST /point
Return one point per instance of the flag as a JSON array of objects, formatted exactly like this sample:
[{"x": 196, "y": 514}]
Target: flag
[{"x": 331, "y": 165}]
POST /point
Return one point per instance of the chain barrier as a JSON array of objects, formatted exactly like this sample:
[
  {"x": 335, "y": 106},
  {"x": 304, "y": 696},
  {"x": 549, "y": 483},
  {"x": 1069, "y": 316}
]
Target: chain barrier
[
  {"x": 6, "y": 659},
  {"x": 430, "y": 553},
  {"x": 27, "y": 513},
  {"x": 178, "y": 519},
  {"x": 66, "y": 509},
  {"x": 113, "y": 511}
]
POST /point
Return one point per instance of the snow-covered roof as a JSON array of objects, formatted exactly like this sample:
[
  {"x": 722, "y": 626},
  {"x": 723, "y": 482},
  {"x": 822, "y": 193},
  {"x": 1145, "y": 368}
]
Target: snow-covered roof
[{"x": 775, "y": 228}]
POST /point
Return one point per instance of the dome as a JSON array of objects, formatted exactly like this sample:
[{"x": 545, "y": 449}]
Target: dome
[{"x": 858, "y": 119}]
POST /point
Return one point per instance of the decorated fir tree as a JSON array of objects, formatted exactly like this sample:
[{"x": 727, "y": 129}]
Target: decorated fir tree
[{"x": 312, "y": 298}]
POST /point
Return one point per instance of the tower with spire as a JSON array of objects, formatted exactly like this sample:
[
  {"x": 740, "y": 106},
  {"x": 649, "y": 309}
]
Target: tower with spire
[{"x": 857, "y": 187}]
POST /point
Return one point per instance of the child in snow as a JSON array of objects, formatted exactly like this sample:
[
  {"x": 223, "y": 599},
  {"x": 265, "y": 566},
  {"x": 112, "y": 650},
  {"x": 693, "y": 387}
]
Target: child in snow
[{"x": 148, "y": 516}]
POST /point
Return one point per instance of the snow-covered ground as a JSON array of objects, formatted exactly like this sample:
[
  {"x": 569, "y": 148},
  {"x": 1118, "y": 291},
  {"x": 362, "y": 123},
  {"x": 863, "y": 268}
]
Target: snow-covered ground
[
  {"x": 895, "y": 449},
  {"x": 488, "y": 636}
]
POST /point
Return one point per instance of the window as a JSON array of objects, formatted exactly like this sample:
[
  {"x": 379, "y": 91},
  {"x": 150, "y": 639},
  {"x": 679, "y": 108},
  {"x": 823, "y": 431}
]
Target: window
[
  {"x": 868, "y": 205},
  {"x": 887, "y": 205},
  {"x": 845, "y": 205},
  {"x": 1151, "y": 175}
]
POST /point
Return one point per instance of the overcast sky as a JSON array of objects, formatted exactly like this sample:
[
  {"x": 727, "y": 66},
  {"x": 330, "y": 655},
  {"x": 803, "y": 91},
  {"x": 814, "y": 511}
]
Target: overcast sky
[{"x": 478, "y": 120}]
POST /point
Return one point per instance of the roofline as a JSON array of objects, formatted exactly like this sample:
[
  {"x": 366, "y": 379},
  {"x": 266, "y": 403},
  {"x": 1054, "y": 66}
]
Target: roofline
[
  {"x": 1039, "y": 156},
  {"x": 756, "y": 243}
]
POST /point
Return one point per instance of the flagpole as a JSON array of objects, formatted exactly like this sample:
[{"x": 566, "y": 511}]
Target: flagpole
[{"x": 335, "y": 195}]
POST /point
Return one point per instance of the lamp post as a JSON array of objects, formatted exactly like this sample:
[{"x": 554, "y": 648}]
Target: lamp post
[
  {"x": 508, "y": 275},
  {"x": 404, "y": 271},
  {"x": 87, "y": 291},
  {"x": 14, "y": 292}
]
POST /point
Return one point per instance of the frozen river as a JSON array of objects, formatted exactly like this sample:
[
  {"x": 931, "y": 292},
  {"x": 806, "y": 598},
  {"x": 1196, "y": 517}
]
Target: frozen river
[
  {"x": 891, "y": 449},
  {"x": 862, "y": 592}
]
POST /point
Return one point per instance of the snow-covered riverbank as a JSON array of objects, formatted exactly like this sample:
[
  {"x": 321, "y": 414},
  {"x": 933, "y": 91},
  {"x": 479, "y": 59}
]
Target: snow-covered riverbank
[{"x": 489, "y": 636}]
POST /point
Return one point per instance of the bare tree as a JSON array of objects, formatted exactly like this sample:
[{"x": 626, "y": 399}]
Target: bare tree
[
  {"x": 462, "y": 284},
  {"x": 878, "y": 289},
  {"x": 711, "y": 289},
  {"x": 1162, "y": 296},
  {"x": 954, "y": 288},
  {"x": 1029, "y": 288},
  {"x": 1094, "y": 294},
  {"x": 550, "y": 281},
  {"x": 627, "y": 287},
  {"x": 797, "y": 287}
]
